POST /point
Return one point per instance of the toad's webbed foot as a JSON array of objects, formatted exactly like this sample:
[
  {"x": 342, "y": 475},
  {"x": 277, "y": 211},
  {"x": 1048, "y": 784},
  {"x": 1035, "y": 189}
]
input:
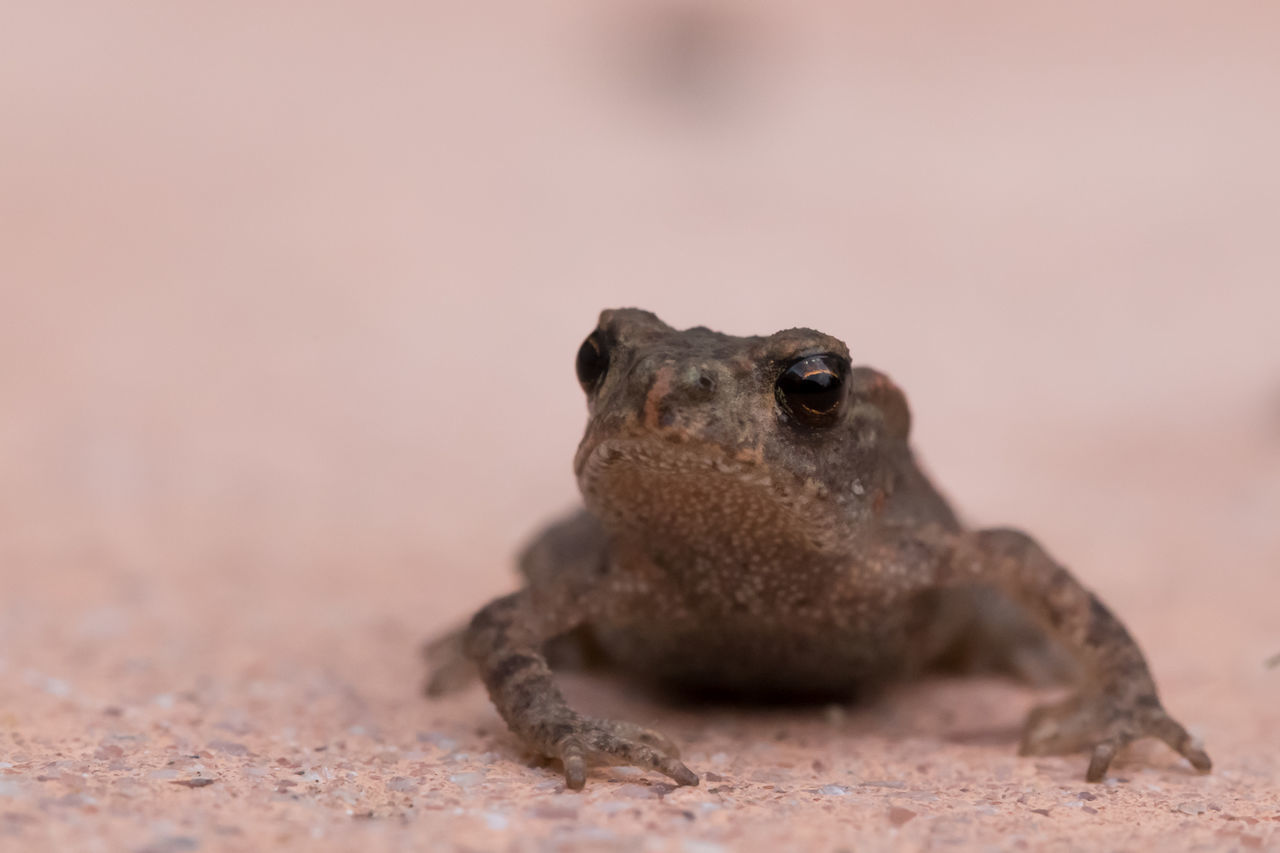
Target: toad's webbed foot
[
  {"x": 1104, "y": 724},
  {"x": 583, "y": 742},
  {"x": 1118, "y": 703},
  {"x": 505, "y": 640}
]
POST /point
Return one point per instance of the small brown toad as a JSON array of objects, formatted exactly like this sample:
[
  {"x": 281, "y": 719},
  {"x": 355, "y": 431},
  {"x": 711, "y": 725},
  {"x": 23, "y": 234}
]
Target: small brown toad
[{"x": 755, "y": 525}]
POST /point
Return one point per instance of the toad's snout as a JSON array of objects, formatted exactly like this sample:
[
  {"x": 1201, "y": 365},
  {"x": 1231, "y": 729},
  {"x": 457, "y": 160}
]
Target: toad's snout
[{"x": 668, "y": 387}]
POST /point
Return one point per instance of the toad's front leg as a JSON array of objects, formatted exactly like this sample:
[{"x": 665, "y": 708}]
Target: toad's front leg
[
  {"x": 505, "y": 640},
  {"x": 1118, "y": 702}
]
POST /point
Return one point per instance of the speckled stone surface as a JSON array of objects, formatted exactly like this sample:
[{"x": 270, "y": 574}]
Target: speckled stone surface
[
  {"x": 151, "y": 710},
  {"x": 288, "y": 307}
]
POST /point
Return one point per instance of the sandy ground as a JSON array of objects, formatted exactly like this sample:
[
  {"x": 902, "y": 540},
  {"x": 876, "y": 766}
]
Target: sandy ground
[{"x": 288, "y": 305}]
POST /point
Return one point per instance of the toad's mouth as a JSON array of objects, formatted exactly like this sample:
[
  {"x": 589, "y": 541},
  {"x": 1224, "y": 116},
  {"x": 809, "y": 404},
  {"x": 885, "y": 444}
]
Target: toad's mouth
[{"x": 703, "y": 496}]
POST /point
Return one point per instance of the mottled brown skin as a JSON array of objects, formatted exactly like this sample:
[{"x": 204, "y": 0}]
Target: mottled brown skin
[{"x": 729, "y": 546}]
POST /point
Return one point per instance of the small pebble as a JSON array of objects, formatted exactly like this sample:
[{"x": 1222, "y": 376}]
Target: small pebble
[
  {"x": 440, "y": 741},
  {"x": 198, "y": 782},
  {"x": 229, "y": 747},
  {"x": 898, "y": 815},
  {"x": 561, "y": 808},
  {"x": 694, "y": 846},
  {"x": 638, "y": 792}
]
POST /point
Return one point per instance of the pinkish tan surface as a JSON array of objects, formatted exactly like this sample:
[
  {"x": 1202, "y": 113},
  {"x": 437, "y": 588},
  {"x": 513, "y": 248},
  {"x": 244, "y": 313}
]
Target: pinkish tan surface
[{"x": 288, "y": 301}]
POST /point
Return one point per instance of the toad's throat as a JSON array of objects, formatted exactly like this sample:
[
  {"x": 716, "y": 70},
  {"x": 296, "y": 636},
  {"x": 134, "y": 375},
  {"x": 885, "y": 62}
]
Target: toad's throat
[{"x": 704, "y": 500}]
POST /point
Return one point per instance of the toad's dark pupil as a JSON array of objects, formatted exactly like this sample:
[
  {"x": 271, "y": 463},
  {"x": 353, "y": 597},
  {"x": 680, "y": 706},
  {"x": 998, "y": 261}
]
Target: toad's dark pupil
[
  {"x": 592, "y": 362},
  {"x": 811, "y": 389}
]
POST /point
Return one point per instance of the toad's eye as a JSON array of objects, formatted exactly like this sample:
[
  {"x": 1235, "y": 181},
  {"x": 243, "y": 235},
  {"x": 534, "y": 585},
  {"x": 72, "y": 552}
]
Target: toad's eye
[
  {"x": 811, "y": 389},
  {"x": 592, "y": 362}
]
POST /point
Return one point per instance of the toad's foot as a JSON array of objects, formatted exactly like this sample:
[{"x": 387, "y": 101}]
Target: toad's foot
[
  {"x": 1105, "y": 725},
  {"x": 1118, "y": 704},
  {"x": 584, "y": 742},
  {"x": 505, "y": 640}
]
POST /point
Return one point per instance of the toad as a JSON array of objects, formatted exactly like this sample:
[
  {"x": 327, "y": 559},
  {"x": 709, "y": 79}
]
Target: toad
[{"x": 755, "y": 524}]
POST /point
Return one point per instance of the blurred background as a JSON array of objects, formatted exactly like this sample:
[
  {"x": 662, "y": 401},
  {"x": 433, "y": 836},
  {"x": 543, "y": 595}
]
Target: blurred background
[{"x": 289, "y": 294}]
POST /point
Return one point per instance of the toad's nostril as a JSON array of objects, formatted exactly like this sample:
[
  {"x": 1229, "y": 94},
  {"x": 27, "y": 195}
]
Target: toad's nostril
[{"x": 699, "y": 383}]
